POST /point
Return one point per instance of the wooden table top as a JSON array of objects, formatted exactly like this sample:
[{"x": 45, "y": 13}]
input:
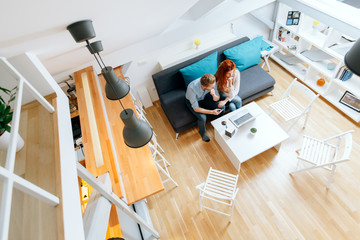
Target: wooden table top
[
  {"x": 99, "y": 157},
  {"x": 139, "y": 173},
  {"x": 140, "y": 176}
]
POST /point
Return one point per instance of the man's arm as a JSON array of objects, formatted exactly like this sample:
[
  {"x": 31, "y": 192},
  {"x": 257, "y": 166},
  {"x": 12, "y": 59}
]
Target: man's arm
[
  {"x": 213, "y": 94},
  {"x": 206, "y": 111}
]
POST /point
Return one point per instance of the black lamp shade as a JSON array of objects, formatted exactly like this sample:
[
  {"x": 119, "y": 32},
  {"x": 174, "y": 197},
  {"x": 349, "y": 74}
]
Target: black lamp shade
[
  {"x": 81, "y": 30},
  {"x": 95, "y": 47},
  {"x": 136, "y": 132},
  {"x": 352, "y": 58},
  {"x": 115, "y": 88}
]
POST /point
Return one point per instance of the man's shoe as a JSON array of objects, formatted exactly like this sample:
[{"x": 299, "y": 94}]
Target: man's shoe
[{"x": 205, "y": 138}]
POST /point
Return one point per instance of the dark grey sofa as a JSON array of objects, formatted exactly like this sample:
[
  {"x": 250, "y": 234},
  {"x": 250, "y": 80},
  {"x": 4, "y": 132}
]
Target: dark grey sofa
[{"x": 171, "y": 89}]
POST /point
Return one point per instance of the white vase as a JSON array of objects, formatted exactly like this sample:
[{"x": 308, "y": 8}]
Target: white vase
[{"x": 5, "y": 141}]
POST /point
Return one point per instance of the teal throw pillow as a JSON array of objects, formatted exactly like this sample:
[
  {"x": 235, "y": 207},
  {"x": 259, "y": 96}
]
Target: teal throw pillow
[
  {"x": 246, "y": 54},
  {"x": 265, "y": 46},
  {"x": 196, "y": 70}
]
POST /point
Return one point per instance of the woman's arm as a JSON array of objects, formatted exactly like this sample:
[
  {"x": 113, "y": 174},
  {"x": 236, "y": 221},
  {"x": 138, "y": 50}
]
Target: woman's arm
[{"x": 236, "y": 82}]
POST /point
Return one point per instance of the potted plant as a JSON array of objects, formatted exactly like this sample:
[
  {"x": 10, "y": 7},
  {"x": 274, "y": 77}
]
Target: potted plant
[
  {"x": 5, "y": 119},
  {"x": 253, "y": 131}
]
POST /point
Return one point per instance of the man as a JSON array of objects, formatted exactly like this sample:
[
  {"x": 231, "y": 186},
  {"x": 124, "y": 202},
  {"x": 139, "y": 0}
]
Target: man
[{"x": 202, "y": 100}]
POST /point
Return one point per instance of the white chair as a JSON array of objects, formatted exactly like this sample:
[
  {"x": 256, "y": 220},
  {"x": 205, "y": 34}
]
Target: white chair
[
  {"x": 160, "y": 161},
  {"x": 141, "y": 113},
  {"x": 127, "y": 80},
  {"x": 219, "y": 187},
  {"x": 289, "y": 108},
  {"x": 325, "y": 153}
]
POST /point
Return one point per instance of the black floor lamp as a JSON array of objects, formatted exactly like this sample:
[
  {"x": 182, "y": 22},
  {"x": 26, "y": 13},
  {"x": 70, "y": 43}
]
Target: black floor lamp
[{"x": 136, "y": 132}]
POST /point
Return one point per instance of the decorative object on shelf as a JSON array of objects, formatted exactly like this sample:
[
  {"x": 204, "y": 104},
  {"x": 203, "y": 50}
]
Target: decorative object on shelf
[
  {"x": 320, "y": 82},
  {"x": 316, "y": 55},
  {"x": 344, "y": 74},
  {"x": 293, "y": 18},
  {"x": 6, "y": 115},
  {"x": 283, "y": 34},
  {"x": 72, "y": 96},
  {"x": 350, "y": 100},
  {"x": 253, "y": 131},
  {"x": 331, "y": 66},
  {"x": 352, "y": 58},
  {"x": 289, "y": 58},
  {"x": 136, "y": 132},
  {"x": 315, "y": 25},
  {"x": 197, "y": 42}
]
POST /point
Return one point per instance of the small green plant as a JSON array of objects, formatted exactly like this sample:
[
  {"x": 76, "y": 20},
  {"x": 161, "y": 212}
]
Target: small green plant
[
  {"x": 5, "y": 109},
  {"x": 253, "y": 130}
]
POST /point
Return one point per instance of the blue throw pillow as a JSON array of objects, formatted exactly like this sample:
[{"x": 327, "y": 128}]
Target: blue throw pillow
[
  {"x": 265, "y": 46},
  {"x": 196, "y": 70},
  {"x": 246, "y": 54}
]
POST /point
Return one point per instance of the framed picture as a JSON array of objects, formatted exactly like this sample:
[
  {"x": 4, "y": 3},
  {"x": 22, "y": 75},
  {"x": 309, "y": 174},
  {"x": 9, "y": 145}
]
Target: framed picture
[
  {"x": 351, "y": 101},
  {"x": 293, "y": 18}
]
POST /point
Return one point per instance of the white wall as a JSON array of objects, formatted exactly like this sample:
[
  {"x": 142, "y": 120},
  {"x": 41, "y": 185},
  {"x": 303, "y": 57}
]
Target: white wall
[{"x": 142, "y": 68}]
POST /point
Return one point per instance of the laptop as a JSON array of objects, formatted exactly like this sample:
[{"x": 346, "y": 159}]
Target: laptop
[{"x": 242, "y": 117}]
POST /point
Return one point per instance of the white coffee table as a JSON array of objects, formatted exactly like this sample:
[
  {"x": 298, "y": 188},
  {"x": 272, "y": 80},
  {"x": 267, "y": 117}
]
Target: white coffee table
[{"x": 242, "y": 145}]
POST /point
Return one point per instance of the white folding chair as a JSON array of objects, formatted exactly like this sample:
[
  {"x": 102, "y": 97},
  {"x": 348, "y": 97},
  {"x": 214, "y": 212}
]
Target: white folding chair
[
  {"x": 325, "y": 153},
  {"x": 289, "y": 108},
  {"x": 141, "y": 113},
  {"x": 127, "y": 80},
  {"x": 160, "y": 161},
  {"x": 219, "y": 187}
]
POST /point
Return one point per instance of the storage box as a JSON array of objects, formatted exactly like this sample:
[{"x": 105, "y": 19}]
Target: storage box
[{"x": 230, "y": 131}]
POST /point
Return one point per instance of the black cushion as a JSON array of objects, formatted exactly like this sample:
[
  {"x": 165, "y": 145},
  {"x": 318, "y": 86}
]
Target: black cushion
[{"x": 254, "y": 80}]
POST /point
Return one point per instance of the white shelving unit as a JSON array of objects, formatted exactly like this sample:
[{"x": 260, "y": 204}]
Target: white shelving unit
[{"x": 311, "y": 34}]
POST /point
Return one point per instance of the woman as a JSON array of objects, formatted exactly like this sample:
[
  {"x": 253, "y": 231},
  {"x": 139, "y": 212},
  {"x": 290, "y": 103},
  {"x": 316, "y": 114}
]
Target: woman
[{"x": 228, "y": 83}]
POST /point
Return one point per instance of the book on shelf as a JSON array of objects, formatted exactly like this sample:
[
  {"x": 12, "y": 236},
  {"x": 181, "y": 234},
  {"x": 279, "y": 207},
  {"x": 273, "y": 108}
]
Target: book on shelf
[{"x": 344, "y": 74}]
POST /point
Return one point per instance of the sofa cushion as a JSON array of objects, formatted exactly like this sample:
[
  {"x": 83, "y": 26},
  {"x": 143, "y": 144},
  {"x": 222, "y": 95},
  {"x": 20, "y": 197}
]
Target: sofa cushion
[
  {"x": 175, "y": 108},
  {"x": 246, "y": 54},
  {"x": 196, "y": 70},
  {"x": 254, "y": 80}
]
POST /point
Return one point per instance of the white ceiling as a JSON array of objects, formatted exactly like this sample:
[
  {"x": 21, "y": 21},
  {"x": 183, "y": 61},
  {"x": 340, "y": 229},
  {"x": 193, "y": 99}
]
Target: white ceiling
[
  {"x": 39, "y": 26},
  {"x": 130, "y": 27}
]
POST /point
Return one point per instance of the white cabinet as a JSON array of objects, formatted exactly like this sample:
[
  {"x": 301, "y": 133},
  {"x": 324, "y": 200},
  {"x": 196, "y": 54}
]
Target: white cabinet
[{"x": 313, "y": 49}]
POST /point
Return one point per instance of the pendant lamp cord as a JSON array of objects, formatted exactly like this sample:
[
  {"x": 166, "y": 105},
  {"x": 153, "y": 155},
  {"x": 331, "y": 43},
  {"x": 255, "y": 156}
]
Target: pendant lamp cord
[
  {"x": 101, "y": 59},
  {"x": 92, "y": 51}
]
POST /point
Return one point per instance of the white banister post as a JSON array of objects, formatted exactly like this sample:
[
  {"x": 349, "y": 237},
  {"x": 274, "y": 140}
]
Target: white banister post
[{"x": 11, "y": 151}]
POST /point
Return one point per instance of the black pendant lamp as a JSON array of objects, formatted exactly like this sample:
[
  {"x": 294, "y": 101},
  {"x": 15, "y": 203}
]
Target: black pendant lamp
[
  {"x": 352, "y": 58},
  {"x": 115, "y": 88},
  {"x": 136, "y": 132}
]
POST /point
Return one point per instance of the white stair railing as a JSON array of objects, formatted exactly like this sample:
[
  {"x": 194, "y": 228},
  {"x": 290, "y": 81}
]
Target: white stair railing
[
  {"x": 113, "y": 198},
  {"x": 7, "y": 175}
]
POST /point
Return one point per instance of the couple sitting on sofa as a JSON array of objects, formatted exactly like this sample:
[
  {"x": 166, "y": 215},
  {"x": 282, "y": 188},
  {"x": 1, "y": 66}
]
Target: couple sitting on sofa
[{"x": 209, "y": 94}]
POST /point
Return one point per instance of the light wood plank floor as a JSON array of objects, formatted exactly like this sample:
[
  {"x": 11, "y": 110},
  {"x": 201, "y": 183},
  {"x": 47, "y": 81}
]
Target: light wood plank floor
[{"x": 270, "y": 204}]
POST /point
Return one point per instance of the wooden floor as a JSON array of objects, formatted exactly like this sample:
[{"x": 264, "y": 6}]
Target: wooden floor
[{"x": 270, "y": 204}]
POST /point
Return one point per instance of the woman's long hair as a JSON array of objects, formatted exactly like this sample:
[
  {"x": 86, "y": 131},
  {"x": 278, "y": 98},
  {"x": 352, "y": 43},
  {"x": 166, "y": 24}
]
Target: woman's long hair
[{"x": 224, "y": 67}]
